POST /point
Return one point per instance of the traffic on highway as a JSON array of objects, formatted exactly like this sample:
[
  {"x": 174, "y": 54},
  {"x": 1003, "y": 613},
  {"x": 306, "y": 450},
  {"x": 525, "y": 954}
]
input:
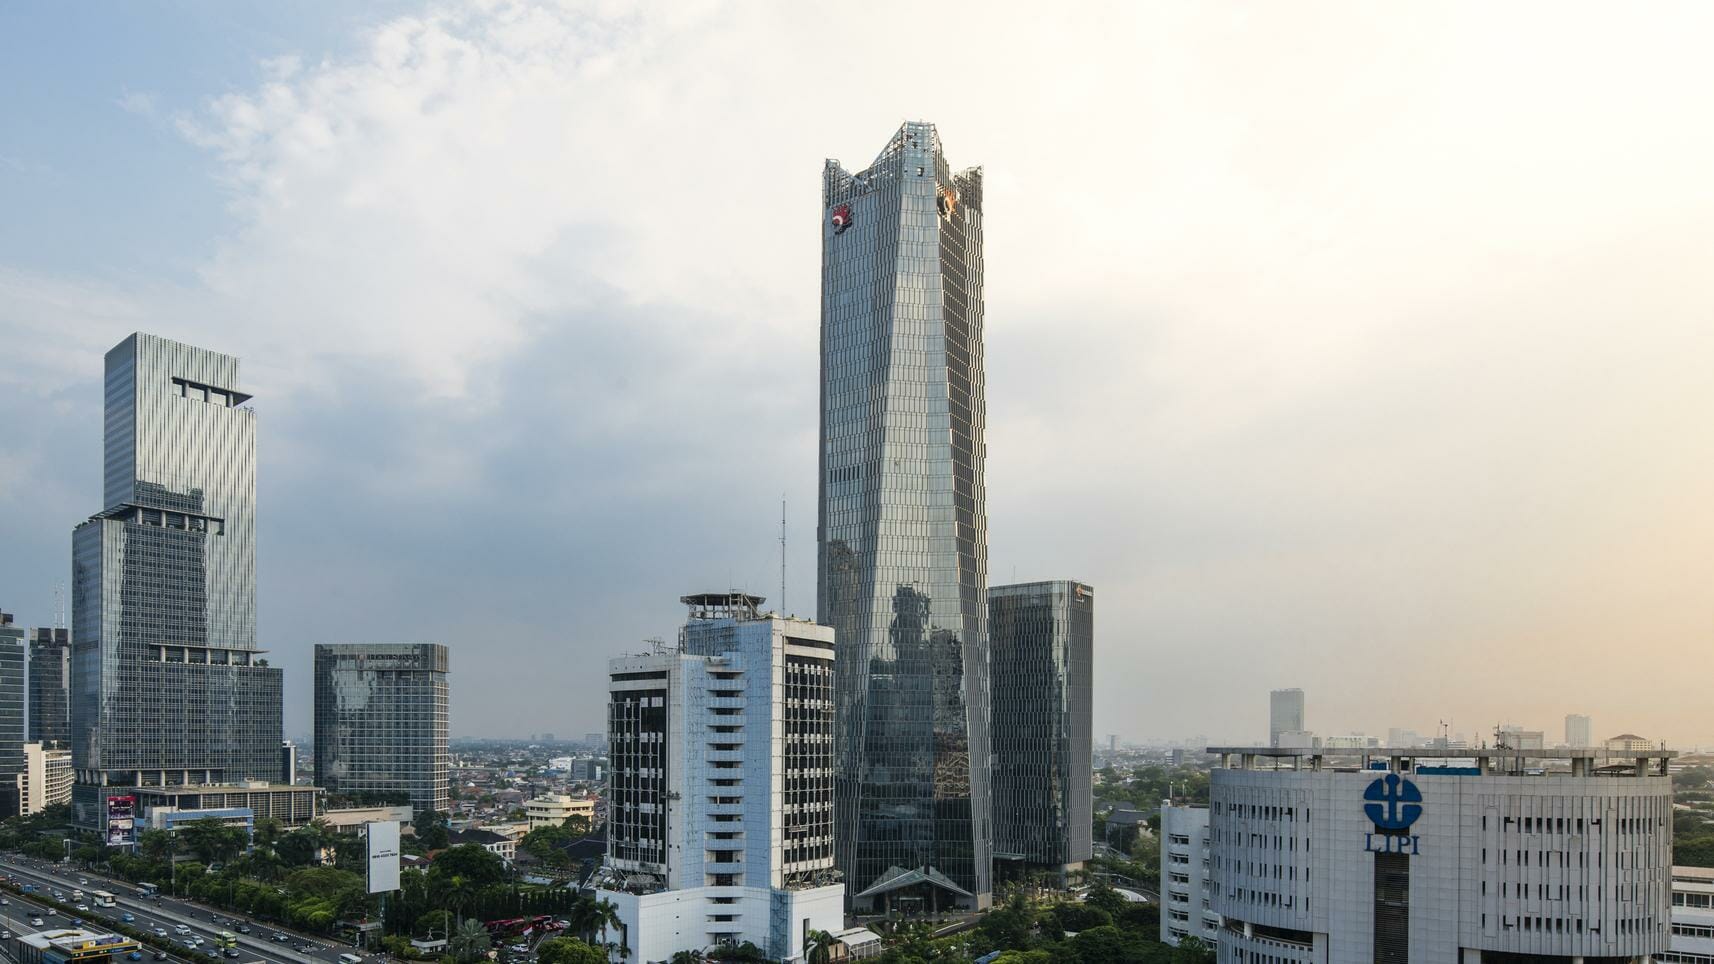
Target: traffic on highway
[{"x": 198, "y": 934}]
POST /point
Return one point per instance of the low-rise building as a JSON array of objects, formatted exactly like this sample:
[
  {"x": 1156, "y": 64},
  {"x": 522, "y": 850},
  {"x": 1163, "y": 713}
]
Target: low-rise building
[
  {"x": 496, "y": 843},
  {"x": 291, "y": 806},
  {"x": 1692, "y": 917},
  {"x": 1629, "y": 743},
  {"x": 553, "y": 809},
  {"x": 352, "y": 820},
  {"x": 72, "y": 945}
]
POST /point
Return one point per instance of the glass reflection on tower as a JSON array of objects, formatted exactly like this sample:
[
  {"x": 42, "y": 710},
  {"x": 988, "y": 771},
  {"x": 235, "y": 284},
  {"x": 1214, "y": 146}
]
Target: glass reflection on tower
[{"x": 903, "y": 524}]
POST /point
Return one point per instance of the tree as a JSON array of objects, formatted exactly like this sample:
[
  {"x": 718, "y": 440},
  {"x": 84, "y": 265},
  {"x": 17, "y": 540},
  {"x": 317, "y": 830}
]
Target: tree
[
  {"x": 213, "y": 841},
  {"x": 576, "y": 825},
  {"x": 687, "y": 957},
  {"x": 607, "y": 914},
  {"x": 479, "y": 866},
  {"x": 431, "y": 829},
  {"x": 817, "y": 946},
  {"x": 1191, "y": 950},
  {"x": 157, "y": 844},
  {"x": 469, "y": 942},
  {"x": 568, "y": 950}
]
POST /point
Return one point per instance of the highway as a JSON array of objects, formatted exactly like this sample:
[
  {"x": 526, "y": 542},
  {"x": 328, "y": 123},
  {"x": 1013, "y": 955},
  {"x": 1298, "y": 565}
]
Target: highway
[{"x": 164, "y": 914}]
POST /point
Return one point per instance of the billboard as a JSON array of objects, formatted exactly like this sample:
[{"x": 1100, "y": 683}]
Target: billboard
[
  {"x": 383, "y": 837},
  {"x": 121, "y": 821}
]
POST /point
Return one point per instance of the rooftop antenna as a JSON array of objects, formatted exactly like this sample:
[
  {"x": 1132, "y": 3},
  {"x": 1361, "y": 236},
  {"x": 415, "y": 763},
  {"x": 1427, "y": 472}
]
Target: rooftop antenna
[
  {"x": 782, "y": 553},
  {"x": 59, "y": 605}
]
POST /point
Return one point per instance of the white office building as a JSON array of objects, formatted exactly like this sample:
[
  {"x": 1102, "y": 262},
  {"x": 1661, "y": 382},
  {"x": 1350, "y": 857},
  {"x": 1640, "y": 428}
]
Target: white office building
[
  {"x": 1526, "y": 856},
  {"x": 46, "y": 779},
  {"x": 720, "y": 809},
  {"x": 1692, "y": 917},
  {"x": 1578, "y": 731},
  {"x": 1187, "y": 895}
]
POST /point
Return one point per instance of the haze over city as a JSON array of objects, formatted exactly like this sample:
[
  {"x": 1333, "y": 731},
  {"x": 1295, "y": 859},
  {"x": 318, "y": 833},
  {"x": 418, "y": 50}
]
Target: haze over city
[{"x": 1334, "y": 347}]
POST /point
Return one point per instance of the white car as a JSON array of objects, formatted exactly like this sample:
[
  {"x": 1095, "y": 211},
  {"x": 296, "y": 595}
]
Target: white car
[
  {"x": 181, "y": 930},
  {"x": 35, "y": 922},
  {"x": 160, "y": 932}
]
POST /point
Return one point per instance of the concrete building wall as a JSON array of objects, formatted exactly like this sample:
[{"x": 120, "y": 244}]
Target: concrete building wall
[
  {"x": 1546, "y": 865},
  {"x": 1187, "y": 894}
]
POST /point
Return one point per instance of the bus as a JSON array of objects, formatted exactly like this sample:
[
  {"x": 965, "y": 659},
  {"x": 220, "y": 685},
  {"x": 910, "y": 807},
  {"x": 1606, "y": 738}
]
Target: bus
[
  {"x": 148, "y": 890},
  {"x": 226, "y": 941},
  {"x": 102, "y": 898}
]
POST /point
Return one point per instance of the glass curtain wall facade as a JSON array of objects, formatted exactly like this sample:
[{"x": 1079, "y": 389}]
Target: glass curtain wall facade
[
  {"x": 168, "y": 686},
  {"x": 381, "y": 722},
  {"x": 50, "y": 686},
  {"x": 903, "y": 525},
  {"x": 1042, "y": 635},
  {"x": 11, "y": 714}
]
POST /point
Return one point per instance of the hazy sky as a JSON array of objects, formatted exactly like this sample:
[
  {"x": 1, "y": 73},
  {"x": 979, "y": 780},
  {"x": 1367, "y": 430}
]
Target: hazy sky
[{"x": 1363, "y": 348}]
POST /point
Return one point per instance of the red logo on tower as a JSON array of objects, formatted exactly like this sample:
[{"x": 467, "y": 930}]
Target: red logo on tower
[{"x": 841, "y": 218}]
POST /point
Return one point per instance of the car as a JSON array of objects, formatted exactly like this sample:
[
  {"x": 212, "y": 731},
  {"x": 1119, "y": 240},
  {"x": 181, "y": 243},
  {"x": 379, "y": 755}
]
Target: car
[
  {"x": 134, "y": 956},
  {"x": 4, "y": 902},
  {"x": 5, "y": 935},
  {"x": 519, "y": 948},
  {"x": 53, "y": 912},
  {"x": 281, "y": 938},
  {"x": 196, "y": 940},
  {"x": 128, "y": 917},
  {"x": 35, "y": 922},
  {"x": 306, "y": 948},
  {"x": 243, "y": 928},
  {"x": 160, "y": 955},
  {"x": 83, "y": 881},
  {"x": 188, "y": 943},
  {"x": 211, "y": 952},
  {"x": 83, "y": 908},
  {"x": 181, "y": 929},
  {"x": 232, "y": 952}
]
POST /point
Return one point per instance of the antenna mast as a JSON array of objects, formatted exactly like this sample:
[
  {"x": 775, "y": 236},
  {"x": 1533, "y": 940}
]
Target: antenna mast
[
  {"x": 59, "y": 605},
  {"x": 782, "y": 554}
]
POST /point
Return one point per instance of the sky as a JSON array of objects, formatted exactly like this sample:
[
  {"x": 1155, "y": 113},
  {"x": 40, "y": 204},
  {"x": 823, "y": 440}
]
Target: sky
[{"x": 1361, "y": 348}]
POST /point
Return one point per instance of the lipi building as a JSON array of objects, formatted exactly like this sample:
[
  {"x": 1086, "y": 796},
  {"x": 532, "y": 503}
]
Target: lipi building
[{"x": 1444, "y": 856}]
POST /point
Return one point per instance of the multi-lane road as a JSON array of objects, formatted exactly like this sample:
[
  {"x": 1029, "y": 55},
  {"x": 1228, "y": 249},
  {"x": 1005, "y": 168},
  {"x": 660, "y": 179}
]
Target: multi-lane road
[{"x": 165, "y": 914}]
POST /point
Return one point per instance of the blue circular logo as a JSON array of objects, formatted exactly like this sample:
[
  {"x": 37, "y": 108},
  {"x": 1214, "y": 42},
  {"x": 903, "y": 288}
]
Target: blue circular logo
[{"x": 1394, "y": 803}]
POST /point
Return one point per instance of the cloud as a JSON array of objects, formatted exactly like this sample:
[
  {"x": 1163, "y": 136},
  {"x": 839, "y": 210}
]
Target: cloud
[
  {"x": 1320, "y": 341},
  {"x": 139, "y": 102}
]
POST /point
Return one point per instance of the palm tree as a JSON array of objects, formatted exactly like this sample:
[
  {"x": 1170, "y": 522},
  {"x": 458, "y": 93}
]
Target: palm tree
[
  {"x": 687, "y": 957},
  {"x": 469, "y": 941},
  {"x": 817, "y": 946},
  {"x": 609, "y": 916}
]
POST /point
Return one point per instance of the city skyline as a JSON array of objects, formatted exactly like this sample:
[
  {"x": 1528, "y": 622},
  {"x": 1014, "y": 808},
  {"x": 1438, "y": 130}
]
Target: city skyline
[{"x": 1397, "y": 362}]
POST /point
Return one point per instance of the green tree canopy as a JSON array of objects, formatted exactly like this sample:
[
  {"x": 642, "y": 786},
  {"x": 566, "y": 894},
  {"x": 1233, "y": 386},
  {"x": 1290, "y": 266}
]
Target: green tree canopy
[{"x": 568, "y": 950}]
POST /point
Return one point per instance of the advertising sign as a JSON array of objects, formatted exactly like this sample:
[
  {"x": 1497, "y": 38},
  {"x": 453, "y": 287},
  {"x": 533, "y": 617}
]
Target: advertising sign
[
  {"x": 121, "y": 821},
  {"x": 383, "y": 837}
]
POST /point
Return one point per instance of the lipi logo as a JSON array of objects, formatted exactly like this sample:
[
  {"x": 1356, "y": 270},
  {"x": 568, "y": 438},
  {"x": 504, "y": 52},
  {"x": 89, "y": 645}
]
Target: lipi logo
[{"x": 1393, "y": 804}]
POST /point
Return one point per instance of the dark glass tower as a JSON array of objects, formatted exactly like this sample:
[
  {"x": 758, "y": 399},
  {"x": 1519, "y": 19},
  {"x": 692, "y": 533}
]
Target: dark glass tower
[
  {"x": 381, "y": 723},
  {"x": 1043, "y": 641},
  {"x": 50, "y": 686},
  {"x": 903, "y": 525},
  {"x": 168, "y": 687},
  {"x": 11, "y": 714}
]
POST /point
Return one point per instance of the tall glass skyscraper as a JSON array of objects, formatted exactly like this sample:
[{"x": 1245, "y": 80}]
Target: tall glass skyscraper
[
  {"x": 381, "y": 723},
  {"x": 11, "y": 714},
  {"x": 903, "y": 525},
  {"x": 50, "y": 686},
  {"x": 1043, "y": 641},
  {"x": 168, "y": 686}
]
